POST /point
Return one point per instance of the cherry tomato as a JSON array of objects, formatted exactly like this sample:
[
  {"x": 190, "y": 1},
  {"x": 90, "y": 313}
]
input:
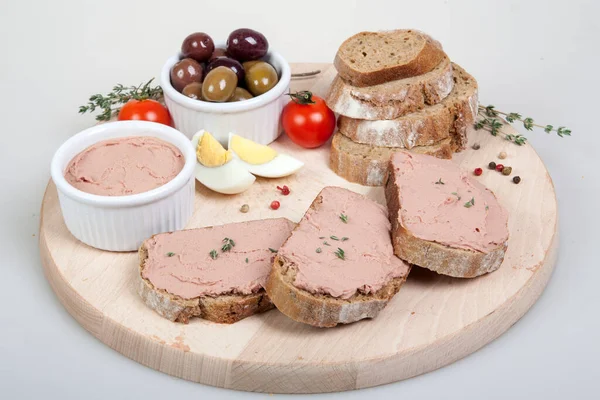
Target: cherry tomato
[
  {"x": 307, "y": 120},
  {"x": 145, "y": 110}
]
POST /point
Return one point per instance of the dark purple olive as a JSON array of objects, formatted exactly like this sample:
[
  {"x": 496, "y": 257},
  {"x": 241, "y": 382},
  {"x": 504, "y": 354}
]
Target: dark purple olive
[
  {"x": 185, "y": 72},
  {"x": 230, "y": 63},
  {"x": 198, "y": 46},
  {"x": 218, "y": 53},
  {"x": 247, "y": 44}
]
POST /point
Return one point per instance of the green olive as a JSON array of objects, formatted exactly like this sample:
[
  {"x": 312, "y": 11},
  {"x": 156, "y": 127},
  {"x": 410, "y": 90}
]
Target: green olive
[
  {"x": 193, "y": 90},
  {"x": 248, "y": 64},
  {"x": 240, "y": 94},
  {"x": 219, "y": 84},
  {"x": 260, "y": 78}
]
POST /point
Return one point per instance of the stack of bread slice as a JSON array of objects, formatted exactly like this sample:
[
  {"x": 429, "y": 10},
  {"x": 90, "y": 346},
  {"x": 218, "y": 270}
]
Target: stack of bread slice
[{"x": 396, "y": 90}]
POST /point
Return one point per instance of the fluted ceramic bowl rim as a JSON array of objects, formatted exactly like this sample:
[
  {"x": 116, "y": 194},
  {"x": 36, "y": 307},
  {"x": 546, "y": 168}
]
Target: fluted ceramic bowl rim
[
  {"x": 110, "y": 130},
  {"x": 274, "y": 58}
]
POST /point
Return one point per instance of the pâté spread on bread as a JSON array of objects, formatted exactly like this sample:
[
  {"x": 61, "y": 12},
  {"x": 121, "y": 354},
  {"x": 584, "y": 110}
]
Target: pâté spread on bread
[
  {"x": 338, "y": 265},
  {"x": 124, "y": 166},
  {"x": 226, "y": 259},
  {"x": 355, "y": 225},
  {"x": 440, "y": 205}
]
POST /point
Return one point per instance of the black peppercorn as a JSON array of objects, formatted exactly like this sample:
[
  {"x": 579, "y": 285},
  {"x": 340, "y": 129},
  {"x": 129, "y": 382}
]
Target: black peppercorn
[
  {"x": 492, "y": 165},
  {"x": 517, "y": 179}
]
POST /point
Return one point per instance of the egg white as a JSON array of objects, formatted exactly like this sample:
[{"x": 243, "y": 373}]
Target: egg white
[
  {"x": 280, "y": 166},
  {"x": 229, "y": 178}
]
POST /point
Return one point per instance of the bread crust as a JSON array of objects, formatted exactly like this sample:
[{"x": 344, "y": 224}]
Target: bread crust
[
  {"x": 445, "y": 260},
  {"x": 431, "y": 54},
  {"x": 225, "y": 309},
  {"x": 368, "y": 165},
  {"x": 452, "y": 117},
  {"x": 321, "y": 310},
  {"x": 392, "y": 99}
]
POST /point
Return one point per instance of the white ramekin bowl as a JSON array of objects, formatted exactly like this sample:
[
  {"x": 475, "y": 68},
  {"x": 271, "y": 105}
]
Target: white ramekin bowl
[
  {"x": 257, "y": 119},
  {"x": 122, "y": 223}
]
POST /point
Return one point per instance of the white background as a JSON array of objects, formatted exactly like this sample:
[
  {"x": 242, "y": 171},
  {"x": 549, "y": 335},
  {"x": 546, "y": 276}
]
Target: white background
[{"x": 540, "y": 58}]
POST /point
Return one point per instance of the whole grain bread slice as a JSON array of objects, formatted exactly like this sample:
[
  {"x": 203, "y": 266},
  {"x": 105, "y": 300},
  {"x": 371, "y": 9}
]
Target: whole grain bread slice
[
  {"x": 368, "y": 165},
  {"x": 225, "y": 309},
  {"x": 371, "y": 58},
  {"x": 319, "y": 308},
  {"x": 391, "y": 99},
  {"x": 438, "y": 257},
  {"x": 451, "y": 117},
  {"x": 222, "y": 308}
]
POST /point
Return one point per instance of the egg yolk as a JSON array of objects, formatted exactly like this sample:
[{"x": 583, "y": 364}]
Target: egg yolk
[
  {"x": 251, "y": 152},
  {"x": 210, "y": 152}
]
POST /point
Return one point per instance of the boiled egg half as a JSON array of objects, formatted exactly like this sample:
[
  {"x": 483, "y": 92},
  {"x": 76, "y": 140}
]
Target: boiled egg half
[
  {"x": 217, "y": 169},
  {"x": 262, "y": 160}
]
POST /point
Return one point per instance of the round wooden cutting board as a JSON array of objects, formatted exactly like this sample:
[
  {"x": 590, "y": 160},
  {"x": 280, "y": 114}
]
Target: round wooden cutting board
[{"x": 433, "y": 321}]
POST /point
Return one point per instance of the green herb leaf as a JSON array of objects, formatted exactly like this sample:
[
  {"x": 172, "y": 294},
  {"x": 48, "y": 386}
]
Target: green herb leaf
[
  {"x": 326, "y": 244},
  {"x": 490, "y": 111},
  {"x": 213, "y": 254},
  {"x": 321, "y": 237},
  {"x": 228, "y": 244},
  {"x": 272, "y": 250},
  {"x": 528, "y": 123},
  {"x": 548, "y": 128},
  {"x": 478, "y": 125},
  {"x": 470, "y": 203},
  {"x": 495, "y": 126},
  {"x": 344, "y": 239},
  {"x": 512, "y": 117},
  {"x": 318, "y": 250},
  {"x": 439, "y": 182},
  {"x": 456, "y": 194},
  {"x": 562, "y": 131},
  {"x": 340, "y": 254},
  {"x": 344, "y": 218},
  {"x": 246, "y": 260},
  {"x": 170, "y": 254},
  {"x": 334, "y": 237}
]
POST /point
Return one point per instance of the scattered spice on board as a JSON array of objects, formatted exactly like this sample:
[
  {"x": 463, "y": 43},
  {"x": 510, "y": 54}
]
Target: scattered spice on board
[{"x": 284, "y": 190}]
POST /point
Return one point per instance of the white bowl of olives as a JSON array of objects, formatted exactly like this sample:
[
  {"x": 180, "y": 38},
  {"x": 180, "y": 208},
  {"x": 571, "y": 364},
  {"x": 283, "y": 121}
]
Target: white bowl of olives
[{"x": 238, "y": 87}]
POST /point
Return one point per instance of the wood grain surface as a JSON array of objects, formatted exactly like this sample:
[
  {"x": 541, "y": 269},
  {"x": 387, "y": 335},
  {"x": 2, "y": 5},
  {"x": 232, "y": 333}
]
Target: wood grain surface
[{"x": 433, "y": 321}]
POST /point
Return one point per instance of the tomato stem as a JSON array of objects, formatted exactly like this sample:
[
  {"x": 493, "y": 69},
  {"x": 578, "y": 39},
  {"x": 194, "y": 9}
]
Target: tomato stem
[{"x": 303, "y": 97}]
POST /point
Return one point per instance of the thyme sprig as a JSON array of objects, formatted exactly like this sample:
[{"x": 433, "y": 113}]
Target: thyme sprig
[
  {"x": 111, "y": 102},
  {"x": 213, "y": 254},
  {"x": 170, "y": 254},
  {"x": 491, "y": 122},
  {"x": 344, "y": 218},
  {"x": 470, "y": 203}
]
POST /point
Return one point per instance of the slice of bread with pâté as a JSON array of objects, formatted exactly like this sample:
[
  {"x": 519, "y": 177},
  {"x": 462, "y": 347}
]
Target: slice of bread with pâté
[{"x": 338, "y": 265}]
